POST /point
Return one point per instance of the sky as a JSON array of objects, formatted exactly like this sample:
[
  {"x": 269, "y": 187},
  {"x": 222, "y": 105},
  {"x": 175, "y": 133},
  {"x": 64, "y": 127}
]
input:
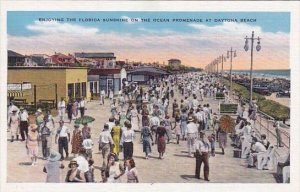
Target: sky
[{"x": 155, "y": 36}]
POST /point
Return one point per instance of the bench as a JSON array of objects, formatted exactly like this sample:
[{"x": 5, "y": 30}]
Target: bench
[
  {"x": 48, "y": 102},
  {"x": 20, "y": 101}
]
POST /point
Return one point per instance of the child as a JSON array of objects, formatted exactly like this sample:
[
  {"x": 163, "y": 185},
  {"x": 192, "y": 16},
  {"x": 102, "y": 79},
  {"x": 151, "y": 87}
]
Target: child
[
  {"x": 90, "y": 173},
  {"x": 177, "y": 129},
  {"x": 211, "y": 139},
  {"x": 88, "y": 145}
]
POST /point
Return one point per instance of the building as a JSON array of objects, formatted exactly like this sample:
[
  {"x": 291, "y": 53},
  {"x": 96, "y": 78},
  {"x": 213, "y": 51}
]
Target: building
[
  {"x": 97, "y": 60},
  {"x": 145, "y": 75},
  {"x": 106, "y": 79},
  {"x": 15, "y": 59},
  {"x": 59, "y": 59},
  {"x": 174, "y": 63},
  {"x": 51, "y": 83}
]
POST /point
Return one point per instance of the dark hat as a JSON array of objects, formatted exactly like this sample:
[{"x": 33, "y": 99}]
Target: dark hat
[
  {"x": 73, "y": 162},
  {"x": 76, "y": 125}
]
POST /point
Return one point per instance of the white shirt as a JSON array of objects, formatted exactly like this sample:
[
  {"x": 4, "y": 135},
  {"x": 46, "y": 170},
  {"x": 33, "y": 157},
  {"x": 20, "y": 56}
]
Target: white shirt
[
  {"x": 24, "y": 116},
  {"x": 82, "y": 103},
  {"x": 110, "y": 125},
  {"x": 199, "y": 116},
  {"x": 127, "y": 136},
  {"x": 258, "y": 147},
  {"x": 61, "y": 104},
  {"x": 105, "y": 137},
  {"x": 63, "y": 131},
  {"x": 154, "y": 121},
  {"x": 203, "y": 146},
  {"x": 191, "y": 128},
  {"x": 87, "y": 144},
  {"x": 83, "y": 163}
]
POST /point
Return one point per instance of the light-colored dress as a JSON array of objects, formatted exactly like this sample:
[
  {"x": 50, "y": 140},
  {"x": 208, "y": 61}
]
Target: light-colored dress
[
  {"x": 116, "y": 138},
  {"x": 114, "y": 170},
  {"x": 53, "y": 171},
  {"x": 131, "y": 175},
  {"x": 134, "y": 119},
  {"x": 14, "y": 124},
  {"x": 123, "y": 118},
  {"x": 32, "y": 144}
]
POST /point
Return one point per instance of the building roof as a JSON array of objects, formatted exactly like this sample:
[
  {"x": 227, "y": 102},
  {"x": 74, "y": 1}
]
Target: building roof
[
  {"x": 104, "y": 71},
  {"x": 44, "y": 67},
  {"x": 148, "y": 70},
  {"x": 11, "y": 53},
  {"x": 95, "y": 55}
]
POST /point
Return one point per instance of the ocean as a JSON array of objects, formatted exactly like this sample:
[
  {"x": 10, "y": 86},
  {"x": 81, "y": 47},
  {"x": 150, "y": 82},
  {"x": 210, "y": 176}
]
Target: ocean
[{"x": 265, "y": 73}]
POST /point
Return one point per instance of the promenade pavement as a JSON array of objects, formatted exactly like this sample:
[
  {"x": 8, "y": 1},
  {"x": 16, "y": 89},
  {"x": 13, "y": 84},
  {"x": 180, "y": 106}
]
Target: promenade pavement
[{"x": 176, "y": 167}]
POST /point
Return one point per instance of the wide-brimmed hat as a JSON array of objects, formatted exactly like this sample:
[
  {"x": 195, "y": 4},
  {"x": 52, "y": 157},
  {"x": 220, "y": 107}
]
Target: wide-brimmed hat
[
  {"x": 73, "y": 162},
  {"x": 191, "y": 119},
  {"x": 54, "y": 156},
  {"x": 33, "y": 127},
  {"x": 14, "y": 110},
  {"x": 39, "y": 110}
]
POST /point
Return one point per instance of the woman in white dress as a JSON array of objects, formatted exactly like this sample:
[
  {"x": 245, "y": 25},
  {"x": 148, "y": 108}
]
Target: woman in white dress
[
  {"x": 114, "y": 169},
  {"x": 134, "y": 119}
]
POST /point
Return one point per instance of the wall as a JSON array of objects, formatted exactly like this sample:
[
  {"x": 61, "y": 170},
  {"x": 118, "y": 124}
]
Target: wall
[
  {"x": 77, "y": 75},
  {"x": 44, "y": 79}
]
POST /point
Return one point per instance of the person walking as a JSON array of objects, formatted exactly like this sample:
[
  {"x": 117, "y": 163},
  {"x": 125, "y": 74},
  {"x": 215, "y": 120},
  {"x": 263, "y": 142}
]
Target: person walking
[
  {"x": 76, "y": 140},
  {"x": 105, "y": 143},
  {"x": 45, "y": 134},
  {"x": 116, "y": 133},
  {"x": 61, "y": 108},
  {"x": 145, "y": 115},
  {"x": 87, "y": 145},
  {"x": 160, "y": 140},
  {"x": 192, "y": 133},
  {"x": 63, "y": 136},
  {"x": 82, "y": 106},
  {"x": 114, "y": 169},
  {"x": 131, "y": 171},
  {"x": 168, "y": 126},
  {"x": 222, "y": 140},
  {"x": 52, "y": 168},
  {"x": 24, "y": 119},
  {"x": 127, "y": 141},
  {"x": 177, "y": 129},
  {"x": 278, "y": 134},
  {"x": 75, "y": 108},
  {"x": 147, "y": 139},
  {"x": 32, "y": 143},
  {"x": 135, "y": 119},
  {"x": 14, "y": 122},
  {"x": 86, "y": 130},
  {"x": 202, "y": 156},
  {"x": 102, "y": 97},
  {"x": 183, "y": 124},
  {"x": 69, "y": 110}
]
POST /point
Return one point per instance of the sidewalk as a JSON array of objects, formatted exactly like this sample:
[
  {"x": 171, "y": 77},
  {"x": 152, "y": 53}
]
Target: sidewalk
[{"x": 177, "y": 167}]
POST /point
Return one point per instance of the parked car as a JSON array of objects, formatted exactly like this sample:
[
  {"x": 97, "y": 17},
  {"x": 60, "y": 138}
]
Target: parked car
[
  {"x": 262, "y": 91},
  {"x": 283, "y": 94}
]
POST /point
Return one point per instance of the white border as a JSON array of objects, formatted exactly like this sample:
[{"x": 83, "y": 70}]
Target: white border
[{"x": 287, "y": 6}]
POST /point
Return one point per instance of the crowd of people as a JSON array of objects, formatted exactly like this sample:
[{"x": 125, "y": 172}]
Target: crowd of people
[{"x": 152, "y": 114}]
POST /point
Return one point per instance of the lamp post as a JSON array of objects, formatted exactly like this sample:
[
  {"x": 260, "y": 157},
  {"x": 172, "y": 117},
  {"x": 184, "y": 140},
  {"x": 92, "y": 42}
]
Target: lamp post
[
  {"x": 223, "y": 59},
  {"x": 230, "y": 52},
  {"x": 246, "y": 47}
]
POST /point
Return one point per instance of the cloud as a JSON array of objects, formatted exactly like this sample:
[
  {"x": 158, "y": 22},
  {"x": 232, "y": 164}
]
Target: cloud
[
  {"x": 54, "y": 27},
  {"x": 197, "y": 48},
  {"x": 154, "y": 31},
  {"x": 131, "y": 20}
]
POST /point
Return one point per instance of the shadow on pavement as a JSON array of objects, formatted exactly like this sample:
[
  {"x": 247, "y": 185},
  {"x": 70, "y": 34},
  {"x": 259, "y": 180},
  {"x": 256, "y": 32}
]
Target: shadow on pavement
[
  {"x": 177, "y": 155},
  {"x": 25, "y": 163},
  {"x": 187, "y": 177}
]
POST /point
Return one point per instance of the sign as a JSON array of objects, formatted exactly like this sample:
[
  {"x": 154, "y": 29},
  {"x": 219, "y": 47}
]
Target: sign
[
  {"x": 14, "y": 87},
  {"x": 26, "y": 86},
  {"x": 228, "y": 108},
  {"x": 18, "y": 86}
]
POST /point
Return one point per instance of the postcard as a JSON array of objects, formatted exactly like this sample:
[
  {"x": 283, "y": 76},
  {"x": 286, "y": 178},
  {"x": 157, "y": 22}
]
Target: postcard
[{"x": 181, "y": 96}]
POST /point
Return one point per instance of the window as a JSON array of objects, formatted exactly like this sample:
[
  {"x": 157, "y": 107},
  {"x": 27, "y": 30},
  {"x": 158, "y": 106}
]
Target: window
[
  {"x": 83, "y": 89},
  {"x": 77, "y": 90},
  {"x": 91, "y": 87},
  {"x": 95, "y": 87},
  {"x": 71, "y": 90}
]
